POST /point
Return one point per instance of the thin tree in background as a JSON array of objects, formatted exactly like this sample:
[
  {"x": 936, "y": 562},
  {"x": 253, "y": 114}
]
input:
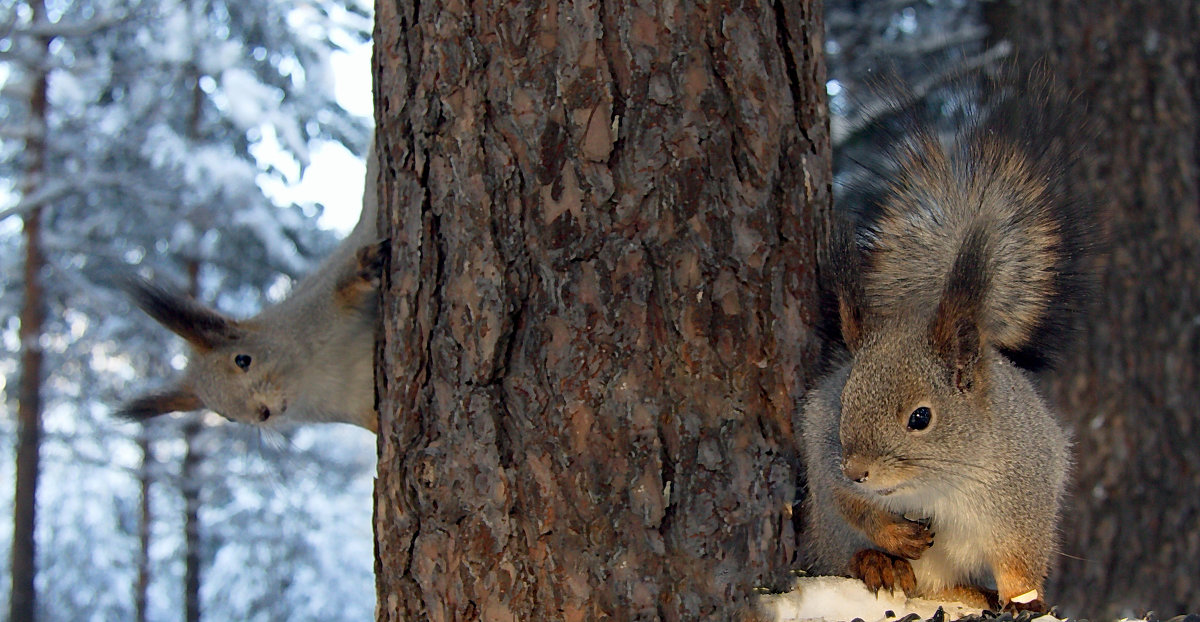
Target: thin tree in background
[
  {"x": 189, "y": 487},
  {"x": 1130, "y": 390},
  {"x": 23, "y": 601},
  {"x": 145, "y": 475},
  {"x": 189, "y": 477},
  {"x": 600, "y": 307}
]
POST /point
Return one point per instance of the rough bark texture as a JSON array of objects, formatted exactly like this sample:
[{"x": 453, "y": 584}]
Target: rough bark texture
[
  {"x": 23, "y": 601},
  {"x": 1131, "y": 541},
  {"x": 604, "y": 218}
]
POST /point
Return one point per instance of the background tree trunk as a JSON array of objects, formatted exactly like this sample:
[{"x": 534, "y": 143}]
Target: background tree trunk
[
  {"x": 141, "y": 586},
  {"x": 23, "y": 601},
  {"x": 1131, "y": 390},
  {"x": 189, "y": 488},
  {"x": 604, "y": 218}
]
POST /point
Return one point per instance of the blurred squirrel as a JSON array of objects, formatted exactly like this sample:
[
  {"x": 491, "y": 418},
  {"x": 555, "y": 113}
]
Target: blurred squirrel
[
  {"x": 932, "y": 463},
  {"x": 309, "y": 358}
]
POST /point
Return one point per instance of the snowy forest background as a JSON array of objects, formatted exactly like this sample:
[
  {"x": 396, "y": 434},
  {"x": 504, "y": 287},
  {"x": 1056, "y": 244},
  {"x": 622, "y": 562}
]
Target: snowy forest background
[
  {"x": 166, "y": 124},
  {"x": 175, "y": 134}
]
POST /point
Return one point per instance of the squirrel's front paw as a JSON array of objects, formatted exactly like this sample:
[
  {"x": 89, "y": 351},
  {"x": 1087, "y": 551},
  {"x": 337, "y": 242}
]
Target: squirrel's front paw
[
  {"x": 370, "y": 261},
  {"x": 904, "y": 538},
  {"x": 882, "y": 571},
  {"x": 1036, "y": 605},
  {"x": 363, "y": 275}
]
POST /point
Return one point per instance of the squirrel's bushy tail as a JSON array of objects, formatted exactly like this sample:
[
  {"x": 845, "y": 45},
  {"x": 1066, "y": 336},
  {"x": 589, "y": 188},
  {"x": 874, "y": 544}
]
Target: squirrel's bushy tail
[{"x": 993, "y": 196}]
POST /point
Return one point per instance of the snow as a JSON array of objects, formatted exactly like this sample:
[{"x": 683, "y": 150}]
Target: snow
[
  {"x": 176, "y": 37},
  {"x": 839, "y": 598},
  {"x": 222, "y": 56},
  {"x": 268, "y": 151},
  {"x": 66, "y": 91},
  {"x": 274, "y": 239},
  {"x": 112, "y": 121},
  {"x": 247, "y": 101}
]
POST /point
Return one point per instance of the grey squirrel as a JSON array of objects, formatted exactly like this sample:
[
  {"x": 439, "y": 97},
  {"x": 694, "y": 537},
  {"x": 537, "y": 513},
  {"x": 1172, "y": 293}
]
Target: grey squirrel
[
  {"x": 309, "y": 358},
  {"x": 932, "y": 463}
]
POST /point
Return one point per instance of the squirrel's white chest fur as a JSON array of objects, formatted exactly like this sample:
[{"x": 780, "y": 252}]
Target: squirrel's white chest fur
[{"x": 963, "y": 536}]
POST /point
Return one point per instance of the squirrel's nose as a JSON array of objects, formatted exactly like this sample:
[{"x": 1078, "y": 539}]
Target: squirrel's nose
[
  {"x": 855, "y": 469},
  {"x": 264, "y": 413}
]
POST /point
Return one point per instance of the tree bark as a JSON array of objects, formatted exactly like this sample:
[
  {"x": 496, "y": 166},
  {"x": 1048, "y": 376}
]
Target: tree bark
[
  {"x": 189, "y": 488},
  {"x": 189, "y": 476},
  {"x": 189, "y": 484},
  {"x": 23, "y": 601},
  {"x": 1130, "y": 538},
  {"x": 141, "y": 587},
  {"x": 598, "y": 313}
]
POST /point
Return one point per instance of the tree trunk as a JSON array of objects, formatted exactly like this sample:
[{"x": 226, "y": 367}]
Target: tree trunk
[
  {"x": 599, "y": 310},
  {"x": 189, "y": 487},
  {"x": 141, "y": 587},
  {"x": 1130, "y": 530},
  {"x": 23, "y": 601},
  {"x": 189, "y": 477},
  {"x": 189, "y": 484}
]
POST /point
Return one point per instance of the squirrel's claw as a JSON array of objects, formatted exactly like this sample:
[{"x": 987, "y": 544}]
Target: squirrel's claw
[
  {"x": 905, "y": 538},
  {"x": 371, "y": 259},
  {"x": 1036, "y": 605},
  {"x": 879, "y": 570},
  {"x": 365, "y": 274}
]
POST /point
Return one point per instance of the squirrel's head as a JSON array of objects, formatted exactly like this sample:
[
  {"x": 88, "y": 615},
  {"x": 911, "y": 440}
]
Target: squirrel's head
[
  {"x": 231, "y": 368},
  {"x": 918, "y": 388}
]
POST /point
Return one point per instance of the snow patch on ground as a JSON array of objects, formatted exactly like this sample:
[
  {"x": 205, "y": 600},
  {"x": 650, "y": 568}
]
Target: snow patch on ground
[{"x": 839, "y": 598}]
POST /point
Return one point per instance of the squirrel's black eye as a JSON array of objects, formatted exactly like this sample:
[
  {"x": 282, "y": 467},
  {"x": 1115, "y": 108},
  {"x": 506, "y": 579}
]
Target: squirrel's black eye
[
  {"x": 920, "y": 418},
  {"x": 243, "y": 361}
]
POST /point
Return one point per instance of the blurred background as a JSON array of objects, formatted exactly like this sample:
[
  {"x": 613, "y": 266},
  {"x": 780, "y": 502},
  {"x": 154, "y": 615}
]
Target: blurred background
[{"x": 217, "y": 145}]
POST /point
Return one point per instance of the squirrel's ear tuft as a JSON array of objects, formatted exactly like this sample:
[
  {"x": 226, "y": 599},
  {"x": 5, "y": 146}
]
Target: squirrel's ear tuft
[
  {"x": 200, "y": 326},
  {"x": 841, "y": 282},
  {"x": 155, "y": 404},
  {"x": 850, "y": 317},
  {"x": 956, "y": 333}
]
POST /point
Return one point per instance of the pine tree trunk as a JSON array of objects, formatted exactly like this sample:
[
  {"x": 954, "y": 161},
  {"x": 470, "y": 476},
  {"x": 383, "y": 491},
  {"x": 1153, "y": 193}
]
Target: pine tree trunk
[
  {"x": 599, "y": 309},
  {"x": 1130, "y": 531},
  {"x": 189, "y": 478},
  {"x": 189, "y": 486},
  {"x": 141, "y": 586},
  {"x": 23, "y": 600}
]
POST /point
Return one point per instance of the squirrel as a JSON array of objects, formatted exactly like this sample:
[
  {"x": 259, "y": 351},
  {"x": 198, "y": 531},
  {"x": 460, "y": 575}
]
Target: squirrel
[
  {"x": 309, "y": 358},
  {"x": 932, "y": 463}
]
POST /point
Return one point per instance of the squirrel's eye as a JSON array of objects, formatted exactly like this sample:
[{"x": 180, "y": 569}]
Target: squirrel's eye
[
  {"x": 920, "y": 418},
  {"x": 243, "y": 361}
]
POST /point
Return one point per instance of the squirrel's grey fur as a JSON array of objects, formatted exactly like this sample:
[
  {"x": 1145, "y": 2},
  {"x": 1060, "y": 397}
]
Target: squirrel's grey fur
[
  {"x": 310, "y": 356},
  {"x": 959, "y": 279}
]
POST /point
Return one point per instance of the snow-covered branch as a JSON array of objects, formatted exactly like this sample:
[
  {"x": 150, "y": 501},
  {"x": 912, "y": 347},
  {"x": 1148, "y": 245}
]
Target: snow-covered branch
[
  {"x": 20, "y": 132},
  {"x": 82, "y": 29},
  {"x": 56, "y": 189},
  {"x": 845, "y": 131},
  {"x": 839, "y": 19},
  {"x": 929, "y": 45}
]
